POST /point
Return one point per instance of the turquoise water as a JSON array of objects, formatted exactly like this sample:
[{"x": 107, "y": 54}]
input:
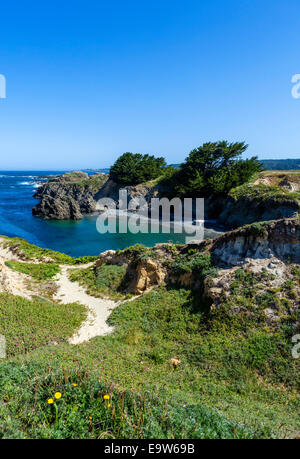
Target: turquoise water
[{"x": 73, "y": 238}]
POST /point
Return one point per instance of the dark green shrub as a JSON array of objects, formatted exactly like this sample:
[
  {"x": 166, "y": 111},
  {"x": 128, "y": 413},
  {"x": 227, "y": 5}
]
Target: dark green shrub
[
  {"x": 131, "y": 169},
  {"x": 214, "y": 168}
]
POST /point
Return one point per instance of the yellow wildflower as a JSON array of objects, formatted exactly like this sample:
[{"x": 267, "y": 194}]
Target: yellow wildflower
[
  {"x": 74, "y": 384},
  {"x": 106, "y": 397},
  {"x": 50, "y": 401},
  {"x": 109, "y": 405},
  {"x": 57, "y": 395}
]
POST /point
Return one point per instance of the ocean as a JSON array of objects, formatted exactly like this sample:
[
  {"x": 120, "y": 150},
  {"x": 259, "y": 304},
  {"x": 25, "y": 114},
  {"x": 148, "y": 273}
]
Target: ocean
[{"x": 75, "y": 238}]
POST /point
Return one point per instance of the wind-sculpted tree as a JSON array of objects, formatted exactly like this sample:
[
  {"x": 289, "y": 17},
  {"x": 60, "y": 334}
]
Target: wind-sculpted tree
[
  {"x": 214, "y": 168},
  {"x": 131, "y": 169}
]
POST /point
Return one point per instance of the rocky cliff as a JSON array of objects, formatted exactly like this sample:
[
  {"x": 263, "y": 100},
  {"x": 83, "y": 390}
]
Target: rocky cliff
[
  {"x": 271, "y": 196},
  {"x": 279, "y": 238},
  {"x": 250, "y": 270},
  {"x": 69, "y": 196}
]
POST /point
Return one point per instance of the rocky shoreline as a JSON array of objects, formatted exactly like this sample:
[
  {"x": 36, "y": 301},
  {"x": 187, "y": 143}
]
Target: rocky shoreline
[
  {"x": 74, "y": 194},
  {"x": 69, "y": 196}
]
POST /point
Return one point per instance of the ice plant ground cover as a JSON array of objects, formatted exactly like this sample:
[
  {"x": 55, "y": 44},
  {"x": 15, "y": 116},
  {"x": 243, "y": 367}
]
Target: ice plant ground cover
[
  {"x": 235, "y": 379},
  {"x": 174, "y": 364}
]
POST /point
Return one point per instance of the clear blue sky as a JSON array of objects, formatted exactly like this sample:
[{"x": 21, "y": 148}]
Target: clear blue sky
[{"x": 89, "y": 80}]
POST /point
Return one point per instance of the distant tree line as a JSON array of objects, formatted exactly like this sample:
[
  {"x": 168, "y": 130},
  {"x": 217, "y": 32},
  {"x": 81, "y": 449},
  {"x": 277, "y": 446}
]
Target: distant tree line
[
  {"x": 281, "y": 164},
  {"x": 213, "y": 168}
]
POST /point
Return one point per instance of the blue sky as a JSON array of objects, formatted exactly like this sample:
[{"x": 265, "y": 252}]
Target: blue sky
[{"x": 89, "y": 80}]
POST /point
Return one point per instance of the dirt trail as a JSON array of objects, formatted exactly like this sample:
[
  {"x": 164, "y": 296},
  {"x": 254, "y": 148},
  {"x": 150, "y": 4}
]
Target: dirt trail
[
  {"x": 99, "y": 309},
  {"x": 12, "y": 281},
  {"x": 68, "y": 292}
]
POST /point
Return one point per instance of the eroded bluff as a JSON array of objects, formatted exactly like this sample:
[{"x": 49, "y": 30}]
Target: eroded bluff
[
  {"x": 69, "y": 196},
  {"x": 252, "y": 270}
]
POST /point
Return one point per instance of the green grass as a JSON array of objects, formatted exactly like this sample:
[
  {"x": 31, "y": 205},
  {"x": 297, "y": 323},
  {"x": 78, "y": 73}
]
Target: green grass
[
  {"x": 237, "y": 377},
  {"x": 237, "y": 366},
  {"x": 30, "y": 252},
  {"x": 104, "y": 281},
  {"x": 39, "y": 271},
  {"x": 28, "y": 325},
  {"x": 82, "y": 411},
  {"x": 264, "y": 193},
  {"x": 92, "y": 183}
]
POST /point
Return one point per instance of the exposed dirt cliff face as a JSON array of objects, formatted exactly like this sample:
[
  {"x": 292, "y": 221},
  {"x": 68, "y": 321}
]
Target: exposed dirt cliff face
[
  {"x": 69, "y": 196},
  {"x": 280, "y": 238},
  {"x": 255, "y": 269},
  {"x": 260, "y": 272},
  {"x": 289, "y": 180},
  {"x": 267, "y": 289},
  {"x": 146, "y": 268}
]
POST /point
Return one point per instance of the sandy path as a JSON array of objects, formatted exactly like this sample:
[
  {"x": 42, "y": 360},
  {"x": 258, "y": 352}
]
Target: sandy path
[
  {"x": 68, "y": 292},
  {"x": 99, "y": 309},
  {"x": 12, "y": 281}
]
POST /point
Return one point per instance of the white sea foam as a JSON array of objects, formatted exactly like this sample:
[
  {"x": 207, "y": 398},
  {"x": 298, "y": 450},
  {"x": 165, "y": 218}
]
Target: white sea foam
[{"x": 19, "y": 176}]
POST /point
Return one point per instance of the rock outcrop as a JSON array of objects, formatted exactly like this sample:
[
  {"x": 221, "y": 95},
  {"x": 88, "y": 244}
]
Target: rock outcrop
[
  {"x": 272, "y": 247},
  {"x": 235, "y": 212},
  {"x": 279, "y": 238},
  {"x": 146, "y": 268},
  {"x": 69, "y": 196},
  {"x": 147, "y": 273},
  {"x": 146, "y": 191},
  {"x": 271, "y": 196},
  {"x": 274, "y": 291},
  {"x": 258, "y": 272}
]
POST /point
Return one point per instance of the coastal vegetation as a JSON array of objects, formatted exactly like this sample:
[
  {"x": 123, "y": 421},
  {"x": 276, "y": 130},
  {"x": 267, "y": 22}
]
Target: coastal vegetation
[
  {"x": 82, "y": 180},
  {"x": 281, "y": 164},
  {"x": 76, "y": 404},
  {"x": 132, "y": 169},
  {"x": 30, "y": 252},
  {"x": 236, "y": 190},
  {"x": 213, "y": 168},
  {"x": 31, "y": 324},
  {"x": 39, "y": 271},
  {"x": 235, "y": 379},
  {"x": 264, "y": 193},
  {"x": 225, "y": 313},
  {"x": 101, "y": 281}
]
